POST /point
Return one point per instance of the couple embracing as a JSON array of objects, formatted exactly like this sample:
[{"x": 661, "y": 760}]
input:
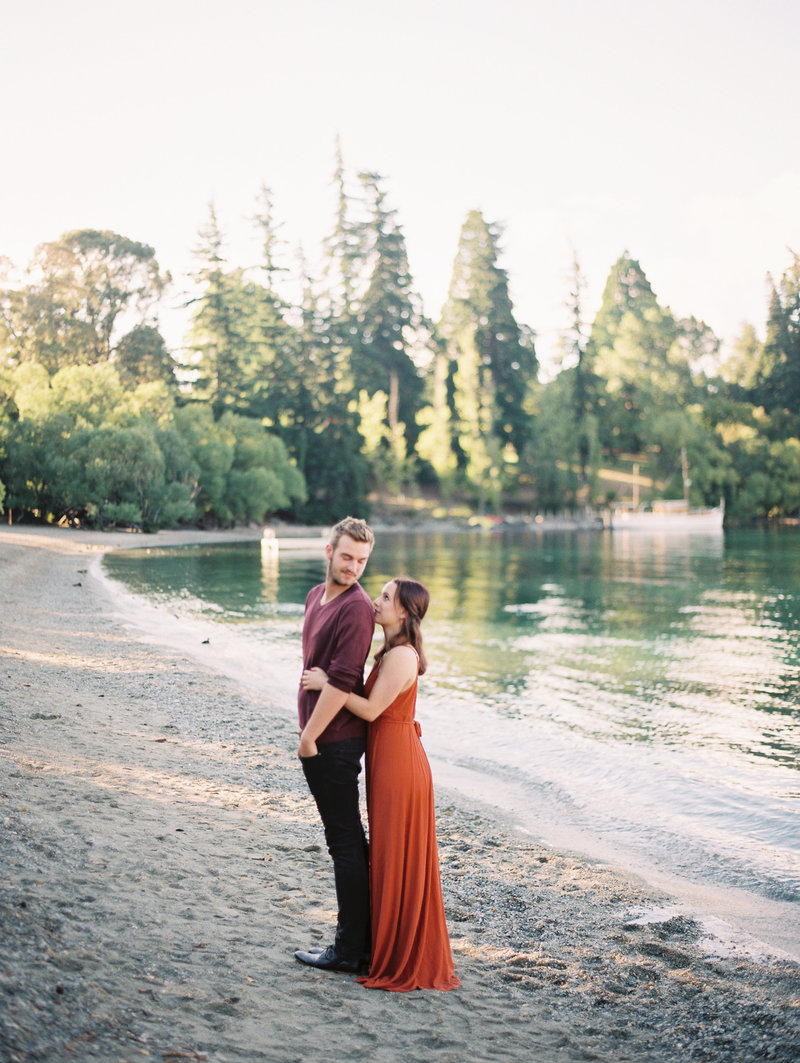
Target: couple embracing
[{"x": 391, "y": 916}]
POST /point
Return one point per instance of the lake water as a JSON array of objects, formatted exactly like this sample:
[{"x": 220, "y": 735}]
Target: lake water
[{"x": 633, "y": 696}]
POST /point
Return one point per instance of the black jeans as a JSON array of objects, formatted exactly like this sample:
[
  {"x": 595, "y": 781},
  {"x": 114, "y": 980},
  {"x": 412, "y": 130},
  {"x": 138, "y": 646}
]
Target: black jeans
[{"x": 332, "y": 778}]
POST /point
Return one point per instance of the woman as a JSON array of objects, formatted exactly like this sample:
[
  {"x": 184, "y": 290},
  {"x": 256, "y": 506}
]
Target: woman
[{"x": 410, "y": 946}]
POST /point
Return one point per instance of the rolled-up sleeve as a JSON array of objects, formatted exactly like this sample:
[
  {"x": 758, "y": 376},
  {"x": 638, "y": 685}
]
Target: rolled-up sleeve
[{"x": 353, "y": 639}]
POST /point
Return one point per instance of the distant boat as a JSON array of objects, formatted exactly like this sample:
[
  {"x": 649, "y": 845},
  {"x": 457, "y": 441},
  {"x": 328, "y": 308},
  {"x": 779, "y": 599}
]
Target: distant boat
[{"x": 669, "y": 515}]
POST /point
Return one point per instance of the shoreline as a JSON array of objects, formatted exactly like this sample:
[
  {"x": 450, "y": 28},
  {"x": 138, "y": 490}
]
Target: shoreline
[
  {"x": 163, "y": 862},
  {"x": 734, "y": 919}
]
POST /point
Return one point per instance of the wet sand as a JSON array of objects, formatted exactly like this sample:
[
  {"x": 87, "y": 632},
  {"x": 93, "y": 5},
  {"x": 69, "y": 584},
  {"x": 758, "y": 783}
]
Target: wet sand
[{"x": 162, "y": 859}]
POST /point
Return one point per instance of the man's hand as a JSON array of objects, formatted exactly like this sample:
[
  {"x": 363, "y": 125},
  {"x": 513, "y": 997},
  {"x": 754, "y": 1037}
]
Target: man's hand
[
  {"x": 308, "y": 747},
  {"x": 328, "y": 704}
]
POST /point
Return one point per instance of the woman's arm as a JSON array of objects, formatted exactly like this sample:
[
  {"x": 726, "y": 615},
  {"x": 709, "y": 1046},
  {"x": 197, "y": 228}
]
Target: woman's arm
[{"x": 397, "y": 672}]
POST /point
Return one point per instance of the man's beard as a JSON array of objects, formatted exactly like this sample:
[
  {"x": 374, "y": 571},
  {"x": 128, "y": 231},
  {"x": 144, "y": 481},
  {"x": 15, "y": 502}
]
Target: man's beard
[{"x": 336, "y": 580}]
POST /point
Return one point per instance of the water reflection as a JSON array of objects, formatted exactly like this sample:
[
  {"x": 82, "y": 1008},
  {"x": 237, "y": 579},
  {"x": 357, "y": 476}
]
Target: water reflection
[
  {"x": 629, "y": 637},
  {"x": 648, "y": 685},
  {"x": 639, "y": 637}
]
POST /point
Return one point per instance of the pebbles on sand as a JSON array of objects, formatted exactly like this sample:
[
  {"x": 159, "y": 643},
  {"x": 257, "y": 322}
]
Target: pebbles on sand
[{"x": 161, "y": 861}]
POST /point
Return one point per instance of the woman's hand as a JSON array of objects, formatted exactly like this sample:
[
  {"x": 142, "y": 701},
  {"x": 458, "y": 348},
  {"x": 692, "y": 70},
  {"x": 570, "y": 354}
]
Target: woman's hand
[
  {"x": 308, "y": 747},
  {"x": 313, "y": 679}
]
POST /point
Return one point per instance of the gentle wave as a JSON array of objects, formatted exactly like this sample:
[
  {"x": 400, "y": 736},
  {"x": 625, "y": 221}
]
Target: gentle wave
[{"x": 643, "y": 717}]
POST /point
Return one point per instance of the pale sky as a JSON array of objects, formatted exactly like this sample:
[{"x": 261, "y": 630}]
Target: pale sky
[{"x": 668, "y": 129}]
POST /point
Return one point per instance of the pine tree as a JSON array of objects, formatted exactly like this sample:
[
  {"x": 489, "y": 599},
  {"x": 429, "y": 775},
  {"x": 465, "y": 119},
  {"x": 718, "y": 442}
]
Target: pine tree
[
  {"x": 743, "y": 368},
  {"x": 633, "y": 353},
  {"x": 475, "y": 411},
  {"x": 275, "y": 342},
  {"x": 581, "y": 377},
  {"x": 435, "y": 445},
  {"x": 780, "y": 389},
  {"x": 222, "y": 340},
  {"x": 319, "y": 422},
  {"x": 478, "y": 322},
  {"x": 336, "y": 303},
  {"x": 388, "y": 315},
  {"x": 344, "y": 249}
]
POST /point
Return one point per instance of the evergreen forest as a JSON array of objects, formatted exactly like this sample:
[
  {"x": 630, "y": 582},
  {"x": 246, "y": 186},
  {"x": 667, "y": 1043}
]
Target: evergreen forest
[{"x": 346, "y": 398}]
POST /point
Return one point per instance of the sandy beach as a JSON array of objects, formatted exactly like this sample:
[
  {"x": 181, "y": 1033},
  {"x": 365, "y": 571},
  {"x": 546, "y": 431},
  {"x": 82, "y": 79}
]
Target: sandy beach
[{"x": 158, "y": 872}]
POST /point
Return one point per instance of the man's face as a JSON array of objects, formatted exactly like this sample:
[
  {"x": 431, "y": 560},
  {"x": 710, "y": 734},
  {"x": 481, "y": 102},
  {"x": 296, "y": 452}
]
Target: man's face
[{"x": 347, "y": 562}]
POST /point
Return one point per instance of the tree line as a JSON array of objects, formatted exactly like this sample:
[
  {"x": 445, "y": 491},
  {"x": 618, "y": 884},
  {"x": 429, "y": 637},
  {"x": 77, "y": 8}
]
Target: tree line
[{"x": 309, "y": 406}]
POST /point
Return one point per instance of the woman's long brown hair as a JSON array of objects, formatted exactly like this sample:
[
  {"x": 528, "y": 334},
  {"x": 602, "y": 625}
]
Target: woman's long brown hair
[{"x": 413, "y": 598}]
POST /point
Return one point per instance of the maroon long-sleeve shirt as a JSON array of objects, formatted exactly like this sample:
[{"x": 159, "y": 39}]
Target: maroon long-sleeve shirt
[{"x": 337, "y": 637}]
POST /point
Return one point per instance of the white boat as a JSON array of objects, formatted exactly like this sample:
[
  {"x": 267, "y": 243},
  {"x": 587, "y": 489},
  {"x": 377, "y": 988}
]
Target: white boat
[{"x": 669, "y": 515}]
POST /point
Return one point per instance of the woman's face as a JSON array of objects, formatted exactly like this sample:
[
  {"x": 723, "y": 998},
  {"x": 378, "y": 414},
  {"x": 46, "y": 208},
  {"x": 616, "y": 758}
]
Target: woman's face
[{"x": 388, "y": 612}]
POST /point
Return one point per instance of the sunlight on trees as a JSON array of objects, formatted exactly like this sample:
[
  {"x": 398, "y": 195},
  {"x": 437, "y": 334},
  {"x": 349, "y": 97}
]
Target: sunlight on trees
[{"x": 306, "y": 404}]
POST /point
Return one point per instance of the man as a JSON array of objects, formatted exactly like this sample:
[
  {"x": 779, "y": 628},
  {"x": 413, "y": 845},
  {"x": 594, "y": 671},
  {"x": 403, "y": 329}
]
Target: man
[{"x": 337, "y": 633}]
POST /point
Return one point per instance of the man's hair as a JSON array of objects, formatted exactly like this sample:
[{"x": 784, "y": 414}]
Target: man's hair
[{"x": 356, "y": 528}]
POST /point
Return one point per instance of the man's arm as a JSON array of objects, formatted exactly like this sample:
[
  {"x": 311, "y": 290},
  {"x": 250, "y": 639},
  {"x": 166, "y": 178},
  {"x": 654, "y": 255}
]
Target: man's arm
[
  {"x": 330, "y": 701},
  {"x": 355, "y": 628},
  {"x": 345, "y": 670}
]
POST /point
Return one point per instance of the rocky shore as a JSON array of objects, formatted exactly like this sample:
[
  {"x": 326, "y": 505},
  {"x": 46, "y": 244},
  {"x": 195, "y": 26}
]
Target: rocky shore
[{"x": 159, "y": 867}]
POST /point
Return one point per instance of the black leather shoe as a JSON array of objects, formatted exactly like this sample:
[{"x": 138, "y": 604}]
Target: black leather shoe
[{"x": 329, "y": 960}]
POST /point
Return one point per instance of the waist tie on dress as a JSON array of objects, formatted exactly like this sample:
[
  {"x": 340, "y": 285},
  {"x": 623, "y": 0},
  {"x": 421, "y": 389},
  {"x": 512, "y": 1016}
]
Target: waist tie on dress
[{"x": 400, "y": 723}]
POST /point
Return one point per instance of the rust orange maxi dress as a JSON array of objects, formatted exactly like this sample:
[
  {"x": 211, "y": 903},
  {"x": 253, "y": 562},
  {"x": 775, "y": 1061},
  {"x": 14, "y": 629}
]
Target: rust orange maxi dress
[{"x": 410, "y": 946}]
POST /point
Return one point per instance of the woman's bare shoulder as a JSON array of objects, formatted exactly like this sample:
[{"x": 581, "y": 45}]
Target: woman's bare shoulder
[
  {"x": 403, "y": 647},
  {"x": 404, "y": 655}
]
